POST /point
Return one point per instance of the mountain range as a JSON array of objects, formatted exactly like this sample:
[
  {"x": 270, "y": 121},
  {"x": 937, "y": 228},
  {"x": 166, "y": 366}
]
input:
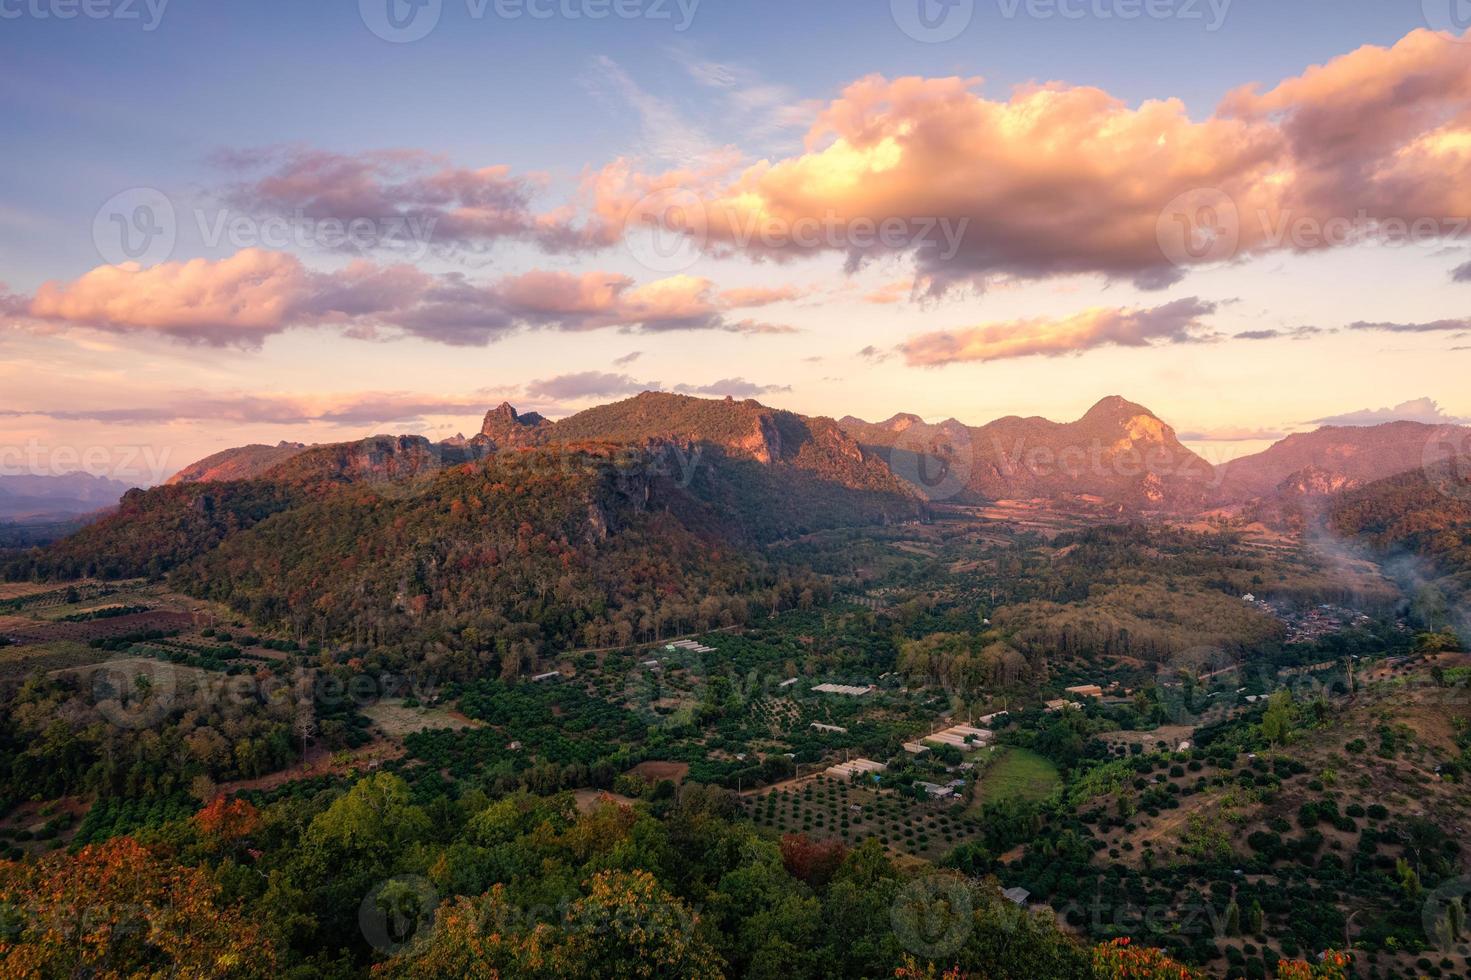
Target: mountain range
[
  {"x": 31, "y": 498},
  {"x": 1119, "y": 456}
]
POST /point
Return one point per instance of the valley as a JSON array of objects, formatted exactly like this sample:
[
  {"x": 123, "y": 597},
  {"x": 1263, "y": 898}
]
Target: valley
[{"x": 1240, "y": 741}]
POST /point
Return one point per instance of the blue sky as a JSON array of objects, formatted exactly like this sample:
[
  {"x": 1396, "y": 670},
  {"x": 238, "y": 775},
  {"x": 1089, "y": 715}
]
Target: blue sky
[{"x": 95, "y": 106}]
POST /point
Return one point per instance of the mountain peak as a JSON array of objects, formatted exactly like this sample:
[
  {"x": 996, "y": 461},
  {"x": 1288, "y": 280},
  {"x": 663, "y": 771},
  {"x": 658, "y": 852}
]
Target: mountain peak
[
  {"x": 1116, "y": 408},
  {"x": 902, "y": 421},
  {"x": 505, "y": 414}
]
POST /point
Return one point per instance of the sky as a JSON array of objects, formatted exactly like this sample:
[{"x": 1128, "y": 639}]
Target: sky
[{"x": 233, "y": 223}]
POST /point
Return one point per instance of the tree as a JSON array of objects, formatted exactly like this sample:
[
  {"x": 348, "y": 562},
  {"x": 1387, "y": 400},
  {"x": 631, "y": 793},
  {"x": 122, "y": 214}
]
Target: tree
[
  {"x": 119, "y": 909},
  {"x": 223, "y": 821},
  {"x": 1255, "y": 918},
  {"x": 626, "y": 925},
  {"x": 1277, "y": 721},
  {"x": 814, "y": 862},
  {"x": 1118, "y": 960},
  {"x": 1233, "y": 919}
]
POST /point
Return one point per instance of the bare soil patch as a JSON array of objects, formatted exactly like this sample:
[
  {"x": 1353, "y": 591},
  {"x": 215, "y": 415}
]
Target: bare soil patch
[{"x": 654, "y": 771}]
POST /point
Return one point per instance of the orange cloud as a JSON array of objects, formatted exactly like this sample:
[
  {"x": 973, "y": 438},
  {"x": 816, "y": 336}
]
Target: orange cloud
[
  {"x": 241, "y": 300},
  {"x": 238, "y": 300},
  {"x": 752, "y": 296},
  {"x": 1177, "y": 322},
  {"x": 1058, "y": 179}
]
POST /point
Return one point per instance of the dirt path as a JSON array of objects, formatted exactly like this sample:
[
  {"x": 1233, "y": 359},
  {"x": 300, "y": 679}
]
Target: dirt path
[{"x": 320, "y": 762}]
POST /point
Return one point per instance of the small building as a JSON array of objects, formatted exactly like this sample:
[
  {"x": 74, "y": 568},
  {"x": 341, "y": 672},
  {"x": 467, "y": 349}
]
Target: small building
[
  {"x": 828, "y": 728},
  {"x": 935, "y": 791},
  {"x": 915, "y": 748},
  {"x": 788, "y": 682},
  {"x": 1058, "y": 704},
  {"x": 846, "y": 689},
  {"x": 1018, "y": 896},
  {"x": 855, "y": 767},
  {"x": 551, "y": 675},
  {"x": 1085, "y": 691}
]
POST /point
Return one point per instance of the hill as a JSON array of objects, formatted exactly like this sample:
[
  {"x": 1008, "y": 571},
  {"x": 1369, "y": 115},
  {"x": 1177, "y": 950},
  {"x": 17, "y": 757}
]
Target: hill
[
  {"x": 1421, "y": 521},
  {"x": 1337, "y": 458},
  {"x": 240, "y": 463},
  {"x": 28, "y": 498},
  {"x": 1119, "y": 454}
]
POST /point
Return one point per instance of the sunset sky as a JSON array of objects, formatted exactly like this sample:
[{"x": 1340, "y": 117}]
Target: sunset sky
[{"x": 797, "y": 201}]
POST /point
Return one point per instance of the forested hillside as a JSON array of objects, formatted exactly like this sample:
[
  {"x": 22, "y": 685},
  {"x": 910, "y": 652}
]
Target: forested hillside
[{"x": 1425, "y": 513}]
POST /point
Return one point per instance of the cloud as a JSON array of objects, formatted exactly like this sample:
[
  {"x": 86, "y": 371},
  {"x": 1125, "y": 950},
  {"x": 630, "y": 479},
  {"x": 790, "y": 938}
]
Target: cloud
[
  {"x": 396, "y": 196},
  {"x": 1231, "y": 434},
  {"x": 1432, "y": 326},
  {"x": 1055, "y": 179},
  {"x": 241, "y": 300},
  {"x": 1461, "y": 273},
  {"x": 1295, "y": 333},
  {"x": 1416, "y": 410},
  {"x": 752, "y": 296},
  {"x": 872, "y": 353},
  {"x": 365, "y": 408},
  {"x": 1177, "y": 322},
  {"x": 730, "y": 387},
  {"x": 628, "y": 358},
  {"x": 597, "y": 384},
  {"x": 235, "y": 301},
  {"x": 665, "y": 133},
  {"x": 760, "y": 110},
  {"x": 587, "y": 384},
  {"x": 754, "y": 327},
  {"x": 896, "y": 291}
]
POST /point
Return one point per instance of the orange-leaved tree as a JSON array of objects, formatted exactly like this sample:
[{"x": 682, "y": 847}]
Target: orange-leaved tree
[
  {"x": 223, "y": 821},
  {"x": 119, "y": 909},
  {"x": 1120, "y": 960},
  {"x": 1332, "y": 966}
]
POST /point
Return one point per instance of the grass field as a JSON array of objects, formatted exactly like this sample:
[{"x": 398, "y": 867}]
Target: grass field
[{"x": 1017, "y": 773}]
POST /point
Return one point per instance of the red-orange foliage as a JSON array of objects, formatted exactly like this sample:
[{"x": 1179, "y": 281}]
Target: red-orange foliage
[
  {"x": 120, "y": 910},
  {"x": 225, "y": 821},
  {"x": 814, "y": 862},
  {"x": 1118, "y": 960},
  {"x": 1333, "y": 966}
]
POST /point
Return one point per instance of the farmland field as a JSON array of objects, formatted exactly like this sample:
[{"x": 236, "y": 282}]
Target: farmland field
[{"x": 828, "y": 808}]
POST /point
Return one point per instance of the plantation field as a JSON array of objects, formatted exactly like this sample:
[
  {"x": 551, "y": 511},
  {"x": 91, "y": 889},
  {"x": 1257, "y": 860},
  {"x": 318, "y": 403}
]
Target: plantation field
[
  {"x": 827, "y": 808},
  {"x": 18, "y": 661}
]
